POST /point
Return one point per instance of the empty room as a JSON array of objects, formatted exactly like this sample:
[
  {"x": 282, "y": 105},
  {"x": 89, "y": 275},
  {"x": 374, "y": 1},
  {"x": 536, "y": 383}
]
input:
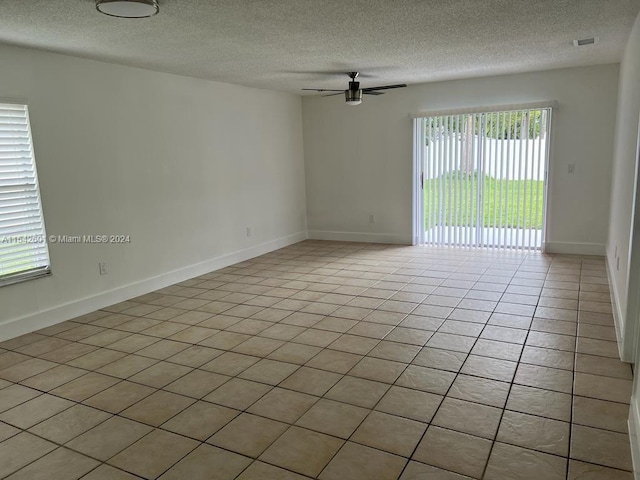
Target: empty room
[{"x": 293, "y": 239}]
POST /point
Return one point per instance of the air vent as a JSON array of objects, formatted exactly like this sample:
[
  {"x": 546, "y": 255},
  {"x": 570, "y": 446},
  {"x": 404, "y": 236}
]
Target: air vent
[{"x": 583, "y": 42}]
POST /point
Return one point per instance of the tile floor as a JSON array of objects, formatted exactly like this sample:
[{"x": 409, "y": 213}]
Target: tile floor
[{"x": 332, "y": 361}]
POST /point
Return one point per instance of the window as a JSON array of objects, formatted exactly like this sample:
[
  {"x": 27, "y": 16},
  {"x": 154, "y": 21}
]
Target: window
[{"x": 23, "y": 242}]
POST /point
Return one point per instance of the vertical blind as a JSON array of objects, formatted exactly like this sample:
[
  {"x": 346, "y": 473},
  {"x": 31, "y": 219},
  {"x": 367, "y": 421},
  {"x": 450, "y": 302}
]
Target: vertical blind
[
  {"x": 483, "y": 178},
  {"x": 23, "y": 243}
]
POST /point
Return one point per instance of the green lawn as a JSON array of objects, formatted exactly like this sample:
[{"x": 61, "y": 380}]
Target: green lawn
[{"x": 441, "y": 192}]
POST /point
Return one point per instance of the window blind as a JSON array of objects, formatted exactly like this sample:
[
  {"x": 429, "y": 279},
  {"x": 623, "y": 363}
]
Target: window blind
[{"x": 23, "y": 242}]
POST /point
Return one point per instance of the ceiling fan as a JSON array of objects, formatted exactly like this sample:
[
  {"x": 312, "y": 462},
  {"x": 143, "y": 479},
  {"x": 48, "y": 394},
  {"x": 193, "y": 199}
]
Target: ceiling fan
[{"x": 353, "y": 95}]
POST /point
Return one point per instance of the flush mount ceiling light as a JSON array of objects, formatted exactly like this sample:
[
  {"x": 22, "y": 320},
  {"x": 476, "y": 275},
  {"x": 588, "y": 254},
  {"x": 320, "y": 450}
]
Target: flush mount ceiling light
[{"x": 128, "y": 8}]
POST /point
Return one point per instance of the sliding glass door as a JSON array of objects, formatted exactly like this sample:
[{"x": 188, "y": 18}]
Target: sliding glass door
[{"x": 482, "y": 178}]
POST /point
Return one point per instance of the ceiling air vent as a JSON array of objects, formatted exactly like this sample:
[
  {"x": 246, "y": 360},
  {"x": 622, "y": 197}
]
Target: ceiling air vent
[{"x": 582, "y": 42}]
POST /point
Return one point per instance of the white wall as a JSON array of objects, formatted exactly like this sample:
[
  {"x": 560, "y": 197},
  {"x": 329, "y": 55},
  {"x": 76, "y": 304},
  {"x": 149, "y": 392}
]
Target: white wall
[
  {"x": 359, "y": 159},
  {"x": 622, "y": 188},
  {"x": 181, "y": 165}
]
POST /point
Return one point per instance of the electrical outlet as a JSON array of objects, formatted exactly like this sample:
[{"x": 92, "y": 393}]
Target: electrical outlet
[
  {"x": 248, "y": 231},
  {"x": 102, "y": 268},
  {"x": 372, "y": 218},
  {"x": 572, "y": 168}
]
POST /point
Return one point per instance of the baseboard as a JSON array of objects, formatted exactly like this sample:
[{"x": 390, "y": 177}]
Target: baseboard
[
  {"x": 618, "y": 317},
  {"x": 634, "y": 428},
  {"x": 360, "y": 237},
  {"x": 571, "y": 248},
  {"x": 60, "y": 313}
]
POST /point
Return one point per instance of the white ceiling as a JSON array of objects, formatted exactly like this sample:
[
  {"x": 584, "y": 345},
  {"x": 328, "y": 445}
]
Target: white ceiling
[{"x": 279, "y": 44}]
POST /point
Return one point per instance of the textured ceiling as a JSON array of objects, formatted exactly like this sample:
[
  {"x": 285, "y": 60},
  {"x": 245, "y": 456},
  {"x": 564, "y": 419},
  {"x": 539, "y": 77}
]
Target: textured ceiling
[{"x": 279, "y": 44}]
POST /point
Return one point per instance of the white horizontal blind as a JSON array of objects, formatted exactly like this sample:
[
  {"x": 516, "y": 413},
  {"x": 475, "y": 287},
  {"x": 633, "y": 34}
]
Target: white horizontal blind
[
  {"x": 484, "y": 178},
  {"x": 23, "y": 246}
]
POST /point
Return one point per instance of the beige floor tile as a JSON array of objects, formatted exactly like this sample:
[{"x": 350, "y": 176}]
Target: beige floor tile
[
  {"x": 316, "y": 338},
  {"x": 302, "y": 451},
  {"x": 248, "y": 434},
  {"x": 603, "y": 388},
  {"x": 162, "y": 350},
  {"x": 200, "y": 420},
  {"x": 259, "y": 346},
  {"x": 85, "y": 386},
  {"x": 107, "y": 472},
  {"x": 225, "y": 340},
  {"x": 69, "y": 423},
  {"x": 208, "y": 463},
  {"x": 334, "y": 361},
  {"x": 389, "y": 433},
  {"x": 496, "y": 349},
  {"x": 283, "y": 405},
  {"x": 413, "y": 404},
  {"x": 417, "y": 471},
  {"x": 262, "y": 471},
  {"x": 68, "y": 352},
  {"x": 359, "y": 462},
  {"x": 160, "y": 374},
  {"x": 600, "y": 414},
  {"x": 153, "y": 454},
  {"x": 238, "y": 393},
  {"x": 536, "y": 433},
  {"x": 108, "y": 438},
  {"x": 397, "y": 352},
  {"x": 602, "y": 348},
  {"x": 96, "y": 359},
  {"x": 20, "y": 450},
  {"x": 127, "y": 366},
  {"x": 354, "y": 344},
  {"x": 508, "y": 461},
  {"x": 333, "y": 418},
  {"x": 546, "y": 357},
  {"x": 426, "y": 379},
  {"x": 445, "y": 449},
  {"x": 135, "y": 342},
  {"x": 602, "y": 447},
  {"x": 540, "y": 402},
  {"x": 587, "y": 471},
  {"x": 28, "y": 368},
  {"x": 230, "y": 363},
  {"x": 357, "y": 391},
  {"x": 455, "y": 343},
  {"x": 34, "y": 411},
  {"x": 379, "y": 370},
  {"x": 294, "y": 353},
  {"x": 311, "y": 381},
  {"x": 269, "y": 371},
  {"x": 441, "y": 359},
  {"x": 544, "y": 377},
  {"x": 193, "y": 356},
  {"x": 608, "y": 367},
  {"x": 197, "y": 383},
  {"x": 60, "y": 463},
  {"x": 7, "y": 431},
  {"x": 157, "y": 408},
  {"x": 468, "y": 417},
  {"x": 14, "y": 395},
  {"x": 479, "y": 390},
  {"x": 122, "y": 395},
  {"x": 492, "y": 368}
]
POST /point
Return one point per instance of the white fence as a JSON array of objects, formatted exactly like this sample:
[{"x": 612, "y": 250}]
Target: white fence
[{"x": 501, "y": 159}]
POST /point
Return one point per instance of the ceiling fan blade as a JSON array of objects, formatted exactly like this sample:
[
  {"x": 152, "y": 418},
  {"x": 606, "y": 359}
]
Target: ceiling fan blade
[
  {"x": 322, "y": 90},
  {"x": 372, "y": 93},
  {"x": 333, "y": 94},
  {"x": 384, "y": 87}
]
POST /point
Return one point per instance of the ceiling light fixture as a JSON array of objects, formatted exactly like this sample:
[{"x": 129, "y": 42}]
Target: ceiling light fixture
[
  {"x": 353, "y": 97},
  {"x": 128, "y": 8}
]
